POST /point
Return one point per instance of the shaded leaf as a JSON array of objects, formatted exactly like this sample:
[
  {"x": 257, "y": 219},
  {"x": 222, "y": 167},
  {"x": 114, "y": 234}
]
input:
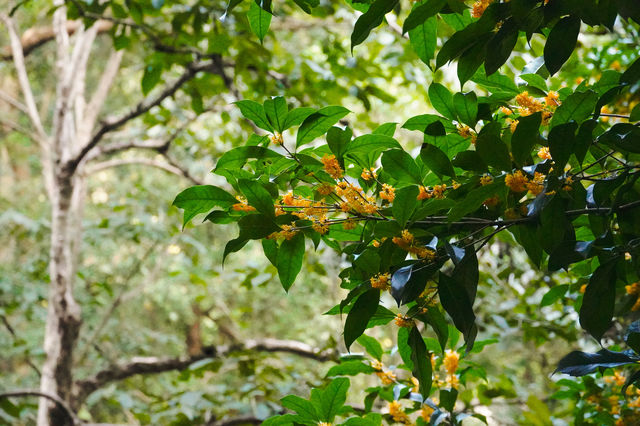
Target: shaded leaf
[{"x": 561, "y": 42}]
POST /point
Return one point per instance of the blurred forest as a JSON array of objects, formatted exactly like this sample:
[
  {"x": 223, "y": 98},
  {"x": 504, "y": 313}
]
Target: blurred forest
[{"x": 116, "y": 107}]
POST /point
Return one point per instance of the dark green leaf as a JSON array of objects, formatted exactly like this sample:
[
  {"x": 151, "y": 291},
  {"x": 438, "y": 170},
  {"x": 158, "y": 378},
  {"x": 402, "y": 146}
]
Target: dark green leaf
[
  {"x": 399, "y": 164},
  {"x": 500, "y": 46},
  {"x": 466, "y": 107},
  {"x": 237, "y": 157},
  {"x": 405, "y": 204},
  {"x": 257, "y": 196},
  {"x": 579, "y": 363},
  {"x": 421, "y": 13},
  {"x": 525, "y": 137},
  {"x": 632, "y": 336},
  {"x": 296, "y": 116},
  {"x": 578, "y": 107},
  {"x": 455, "y": 300},
  {"x": 562, "y": 139},
  {"x": 561, "y": 42},
  {"x": 632, "y": 74},
  {"x": 436, "y": 160},
  {"x": 493, "y": 151},
  {"x": 598, "y": 302},
  {"x": 471, "y": 160},
  {"x": 363, "y": 309},
  {"x": 424, "y": 39},
  {"x": 421, "y": 362},
  {"x": 331, "y": 399},
  {"x": 370, "y": 20},
  {"x": 256, "y": 227},
  {"x": 270, "y": 249},
  {"x": 442, "y": 100},
  {"x": 289, "y": 261}
]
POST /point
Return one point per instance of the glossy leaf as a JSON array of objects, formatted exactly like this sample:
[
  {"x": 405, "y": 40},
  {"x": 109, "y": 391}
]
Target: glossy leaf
[
  {"x": 253, "y": 110},
  {"x": 371, "y": 19},
  {"x": 436, "y": 160},
  {"x": 276, "y": 110},
  {"x": 289, "y": 261},
  {"x": 257, "y": 196},
  {"x": 561, "y": 42},
  {"x": 598, "y": 302},
  {"x": 399, "y": 164},
  {"x": 259, "y": 21},
  {"x": 372, "y": 346},
  {"x": 525, "y": 137},
  {"x": 466, "y": 107},
  {"x": 421, "y": 362},
  {"x": 421, "y": 13},
  {"x": 201, "y": 199},
  {"x": 442, "y": 100},
  {"x": 579, "y": 363},
  {"x": 363, "y": 309},
  {"x": 318, "y": 123}
]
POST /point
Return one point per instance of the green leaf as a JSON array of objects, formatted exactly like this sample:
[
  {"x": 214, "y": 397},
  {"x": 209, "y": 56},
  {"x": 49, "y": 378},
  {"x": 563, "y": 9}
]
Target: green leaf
[
  {"x": 270, "y": 249},
  {"x": 492, "y": 149},
  {"x": 237, "y": 157},
  {"x": 561, "y": 43},
  {"x": 301, "y": 406},
  {"x": 442, "y": 100},
  {"x": 555, "y": 293},
  {"x": 579, "y": 363},
  {"x": 371, "y": 19},
  {"x": 350, "y": 368},
  {"x": 437, "y": 321},
  {"x": 632, "y": 336},
  {"x": 338, "y": 139},
  {"x": 472, "y": 161},
  {"x": 373, "y": 143},
  {"x": 256, "y": 227},
  {"x": 562, "y": 139},
  {"x": 258, "y": 197},
  {"x": 635, "y": 114},
  {"x": 276, "y": 110},
  {"x": 500, "y": 46},
  {"x": 331, "y": 399},
  {"x": 527, "y": 134},
  {"x": 421, "y": 13},
  {"x": 289, "y": 261},
  {"x": 387, "y": 129},
  {"x": 536, "y": 81},
  {"x": 553, "y": 225},
  {"x": 632, "y": 74},
  {"x": 259, "y": 20},
  {"x": 436, "y": 160},
  {"x": 403, "y": 347},
  {"x": 318, "y": 123},
  {"x": 399, "y": 164},
  {"x": 371, "y": 419},
  {"x": 473, "y": 200},
  {"x": 455, "y": 300},
  {"x": 201, "y": 199},
  {"x": 599, "y": 299},
  {"x": 466, "y": 107},
  {"x": 405, "y": 204},
  {"x": 254, "y": 111},
  {"x": 497, "y": 84},
  {"x": 471, "y": 59},
  {"x": 151, "y": 77},
  {"x": 296, "y": 116},
  {"x": 307, "y": 5},
  {"x": 421, "y": 362},
  {"x": 424, "y": 39},
  {"x": 372, "y": 346},
  {"x": 363, "y": 309},
  {"x": 578, "y": 107}
]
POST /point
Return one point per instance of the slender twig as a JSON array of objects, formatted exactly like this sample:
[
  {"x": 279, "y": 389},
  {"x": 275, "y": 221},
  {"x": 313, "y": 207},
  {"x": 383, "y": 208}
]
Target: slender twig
[
  {"x": 55, "y": 398},
  {"x": 13, "y": 333}
]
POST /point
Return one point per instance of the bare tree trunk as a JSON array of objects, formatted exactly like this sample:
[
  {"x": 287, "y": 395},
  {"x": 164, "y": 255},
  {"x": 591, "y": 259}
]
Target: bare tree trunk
[{"x": 63, "y": 315}]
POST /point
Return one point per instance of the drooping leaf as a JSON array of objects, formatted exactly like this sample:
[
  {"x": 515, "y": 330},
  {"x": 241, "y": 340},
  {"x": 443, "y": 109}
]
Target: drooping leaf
[
  {"x": 561, "y": 43},
  {"x": 424, "y": 39},
  {"x": 436, "y": 160},
  {"x": 466, "y": 107},
  {"x": 259, "y": 20},
  {"x": 598, "y": 302},
  {"x": 525, "y": 137},
  {"x": 363, "y": 309},
  {"x": 561, "y": 142},
  {"x": 455, "y": 300},
  {"x": 579, "y": 363},
  {"x": 371, "y": 19},
  {"x": 421, "y": 13},
  {"x": 289, "y": 261},
  {"x": 442, "y": 100},
  {"x": 405, "y": 204},
  {"x": 500, "y": 46},
  {"x": 399, "y": 164},
  {"x": 276, "y": 110},
  {"x": 257, "y": 196},
  {"x": 578, "y": 106},
  {"x": 371, "y": 345},
  {"x": 421, "y": 361},
  {"x": 331, "y": 399}
]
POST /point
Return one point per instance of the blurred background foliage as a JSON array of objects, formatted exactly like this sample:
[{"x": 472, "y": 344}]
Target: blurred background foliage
[{"x": 145, "y": 284}]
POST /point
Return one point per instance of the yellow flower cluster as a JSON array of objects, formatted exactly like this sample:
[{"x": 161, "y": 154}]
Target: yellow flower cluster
[
  {"x": 479, "y": 7},
  {"x": 324, "y": 424},
  {"x": 276, "y": 138},
  {"x": 403, "y": 321},
  {"x": 305, "y": 209},
  {"x": 634, "y": 290},
  {"x": 428, "y": 295},
  {"x": 368, "y": 174},
  {"x": 376, "y": 365},
  {"x": 544, "y": 154},
  {"x": 386, "y": 377},
  {"x": 288, "y": 232},
  {"x": 324, "y": 189},
  {"x": 321, "y": 226},
  {"x": 332, "y": 167},
  {"x": 450, "y": 361},
  {"x": 426, "y": 413},
  {"x": 436, "y": 192},
  {"x": 242, "y": 206},
  {"x": 397, "y": 413},
  {"x": 406, "y": 242},
  {"x": 349, "y": 224},
  {"x": 528, "y": 104},
  {"x": 536, "y": 185},
  {"x": 381, "y": 281},
  {"x": 486, "y": 180},
  {"x": 517, "y": 182},
  {"x": 388, "y": 193},
  {"x": 355, "y": 199}
]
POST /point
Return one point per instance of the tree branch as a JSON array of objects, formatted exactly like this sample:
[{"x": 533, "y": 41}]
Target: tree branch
[
  {"x": 155, "y": 365},
  {"x": 169, "y": 167},
  {"x": 11, "y": 331},
  {"x": 233, "y": 421},
  {"x": 55, "y": 398},
  {"x": 142, "y": 107},
  {"x": 13, "y": 102}
]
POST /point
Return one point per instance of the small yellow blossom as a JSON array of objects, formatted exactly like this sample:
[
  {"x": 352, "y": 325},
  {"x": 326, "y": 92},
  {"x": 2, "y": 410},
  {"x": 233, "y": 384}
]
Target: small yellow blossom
[
  {"x": 551, "y": 100},
  {"x": 464, "y": 131},
  {"x": 546, "y": 117},
  {"x": 486, "y": 180},
  {"x": 320, "y": 226},
  {"x": 633, "y": 289},
  {"x": 517, "y": 181},
  {"x": 536, "y": 185},
  {"x": 242, "y": 206},
  {"x": 288, "y": 232},
  {"x": 332, "y": 167},
  {"x": 513, "y": 126},
  {"x": 615, "y": 65},
  {"x": 544, "y": 153},
  {"x": 426, "y": 413},
  {"x": 491, "y": 202},
  {"x": 368, "y": 174},
  {"x": 511, "y": 214},
  {"x": 403, "y": 321},
  {"x": 452, "y": 381},
  {"x": 276, "y": 138},
  {"x": 529, "y": 103},
  {"x": 376, "y": 365},
  {"x": 506, "y": 111},
  {"x": 324, "y": 424},
  {"x": 450, "y": 361},
  {"x": 479, "y": 7},
  {"x": 397, "y": 413},
  {"x": 381, "y": 281},
  {"x": 324, "y": 189},
  {"x": 388, "y": 192},
  {"x": 349, "y": 224},
  {"x": 386, "y": 377},
  {"x": 583, "y": 288},
  {"x": 455, "y": 185}
]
